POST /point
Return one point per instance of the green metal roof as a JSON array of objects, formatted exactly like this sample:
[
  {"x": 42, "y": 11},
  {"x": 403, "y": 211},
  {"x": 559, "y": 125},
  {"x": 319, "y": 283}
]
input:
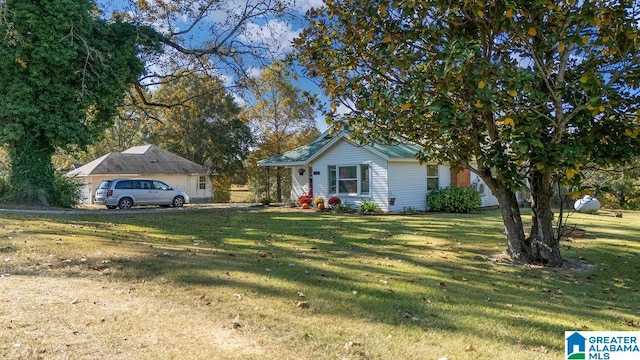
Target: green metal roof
[
  {"x": 297, "y": 156},
  {"x": 396, "y": 151},
  {"x": 303, "y": 154}
]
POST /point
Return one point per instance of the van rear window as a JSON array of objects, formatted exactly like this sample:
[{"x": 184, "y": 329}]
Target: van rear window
[{"x": 104, "y": 185}]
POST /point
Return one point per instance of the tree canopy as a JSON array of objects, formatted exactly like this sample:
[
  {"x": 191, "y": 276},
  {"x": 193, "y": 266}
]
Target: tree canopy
[
  {"x": 282, "y": 118},
  {"x": 63, "y": 74},
  {"x": 204, "y": 128},
  {"x": 520, "y": 92}
]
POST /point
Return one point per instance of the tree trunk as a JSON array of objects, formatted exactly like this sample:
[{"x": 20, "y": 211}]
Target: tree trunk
[
  {"x": 543, "y": 245},
  {"x": 512, "y": 220},
  {"x": 544, "y": 242},
  {"x": 32, "y": 176}
]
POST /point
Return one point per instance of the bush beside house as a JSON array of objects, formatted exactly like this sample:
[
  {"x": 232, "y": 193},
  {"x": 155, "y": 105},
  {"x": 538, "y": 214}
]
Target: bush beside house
[{"x": 453, "y": 200}]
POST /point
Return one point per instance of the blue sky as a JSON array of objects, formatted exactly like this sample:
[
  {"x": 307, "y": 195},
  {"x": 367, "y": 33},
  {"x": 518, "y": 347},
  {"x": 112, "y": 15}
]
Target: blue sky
[{"x": 274, "y": 35}]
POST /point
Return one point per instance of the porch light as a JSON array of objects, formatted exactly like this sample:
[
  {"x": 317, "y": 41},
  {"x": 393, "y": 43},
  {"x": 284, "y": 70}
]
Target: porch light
[{"x": 301, "y": 171}]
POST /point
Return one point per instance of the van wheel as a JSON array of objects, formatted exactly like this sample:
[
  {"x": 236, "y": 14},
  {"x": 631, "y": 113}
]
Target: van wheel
[
  {"x": 125, "y": 203},
  {"x": 178, "y": 201}
]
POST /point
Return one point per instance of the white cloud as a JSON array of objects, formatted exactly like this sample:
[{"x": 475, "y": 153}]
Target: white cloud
[
  {"x": 276, "y": 36},
  {"x": 254, "y": 72},
  {"x": 303, "y": 5}
]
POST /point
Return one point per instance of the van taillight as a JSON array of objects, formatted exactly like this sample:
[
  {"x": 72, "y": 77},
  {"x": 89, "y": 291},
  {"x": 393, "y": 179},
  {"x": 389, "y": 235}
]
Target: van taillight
[{"x": 109, "y": 193}]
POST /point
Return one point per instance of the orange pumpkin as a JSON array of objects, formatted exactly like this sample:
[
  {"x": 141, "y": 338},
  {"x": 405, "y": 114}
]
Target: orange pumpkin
[
  {"x": 321, "y": 206},
  {"x": 305, "y": 206}
]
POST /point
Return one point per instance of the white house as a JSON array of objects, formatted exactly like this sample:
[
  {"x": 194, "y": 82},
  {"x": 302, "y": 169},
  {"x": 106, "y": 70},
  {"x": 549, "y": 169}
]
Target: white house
[
  {"x": 389, "y": 175},
  {"x": 147, "y": 161}
]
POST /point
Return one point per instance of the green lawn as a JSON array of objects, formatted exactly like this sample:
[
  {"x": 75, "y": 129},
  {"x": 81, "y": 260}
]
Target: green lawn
[{"x": 292, "y": 284}]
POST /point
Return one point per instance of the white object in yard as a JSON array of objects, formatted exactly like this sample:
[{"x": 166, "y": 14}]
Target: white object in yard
[{"x": 587, "y": 205}]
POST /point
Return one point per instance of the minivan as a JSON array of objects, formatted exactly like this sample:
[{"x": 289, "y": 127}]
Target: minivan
[{"x": 125, "y": 193}]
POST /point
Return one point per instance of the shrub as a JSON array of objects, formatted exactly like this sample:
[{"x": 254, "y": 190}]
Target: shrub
[
  {"x": 342, "y": 208},
  {"x": 5, "y": 189},
  {"x": 411, "y": 210},
  {"x": 334, "y": 200},
  {"x": 67, "y": 192},
  {"x": 453, "y": 200},
  {"x": 369, "y": 206},
  {"x": 265, "y": 201},
  {"x": 318, "y": 200}
]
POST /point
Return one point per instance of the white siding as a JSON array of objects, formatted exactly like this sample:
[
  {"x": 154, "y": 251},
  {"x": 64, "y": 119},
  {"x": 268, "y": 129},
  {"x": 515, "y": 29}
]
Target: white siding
[
  {"x": 299, "y": 183},
  {"x": 486, "y": 196},
  {"x": 408, "y": 185},
  {"x": 345, "y": 154}
]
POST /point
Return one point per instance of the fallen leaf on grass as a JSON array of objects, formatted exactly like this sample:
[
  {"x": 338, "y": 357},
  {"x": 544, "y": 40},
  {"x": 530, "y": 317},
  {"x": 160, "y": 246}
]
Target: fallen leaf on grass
[
  {"x": 301, "y": 294},
  {"x": 235, "y": 324},
  {"x": 540, "y": 349},
  {"x": 301, "y": 304},
  {"x": 628, "y": 322},
  {"x": 470, "y": 348},
  {"x": 410, "y": 316},
  {"x": 351, "y": 344}
]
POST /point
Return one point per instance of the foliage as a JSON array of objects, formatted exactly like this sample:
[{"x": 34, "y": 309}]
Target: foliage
[
  {"x": 202, "y": 126},
  {"x": 282, "y": 118},
  {"x": 368, "y": 206},
  {"x": 617, "y": 187},
  {"x": 221, "y": 188},
  {"x": 342, "y": 208},
  {"x": 4, "y": 188},
  {"x": 334, "y": 200},
  {"x": 513, "y": 90},
  {"x": 318, "y": 200},
  {"x": 411, "y": 210},
  {"x": 67, "y": 191},
  {"x": 453, "y": 200},
  {"x": 63, "y": 74}
]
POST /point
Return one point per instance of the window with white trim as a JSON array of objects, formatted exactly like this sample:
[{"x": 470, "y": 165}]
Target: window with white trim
[
  {"x": 364, "y": 179},
  {"x": 351, "y": 180},
  {"x": 432, "y": 178},
  {"x": 202, "y": 183}
]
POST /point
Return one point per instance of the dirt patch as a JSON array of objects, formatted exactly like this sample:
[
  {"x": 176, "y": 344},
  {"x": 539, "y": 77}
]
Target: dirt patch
[
  {"x": 48, "y": 317},
  {"x": 569, "y": 265}
]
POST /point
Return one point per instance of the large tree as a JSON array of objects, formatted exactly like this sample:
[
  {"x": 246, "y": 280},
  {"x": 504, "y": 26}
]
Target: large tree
[
  {"x": 517, "y": 91},
  {"x": 63, "y": 73},
  {"x": 203, "y": 125},
  {"x": 282, "y": 117}
]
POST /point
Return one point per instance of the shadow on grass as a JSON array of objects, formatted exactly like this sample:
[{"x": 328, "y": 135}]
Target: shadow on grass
[{"x": 428, "y": 272}]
